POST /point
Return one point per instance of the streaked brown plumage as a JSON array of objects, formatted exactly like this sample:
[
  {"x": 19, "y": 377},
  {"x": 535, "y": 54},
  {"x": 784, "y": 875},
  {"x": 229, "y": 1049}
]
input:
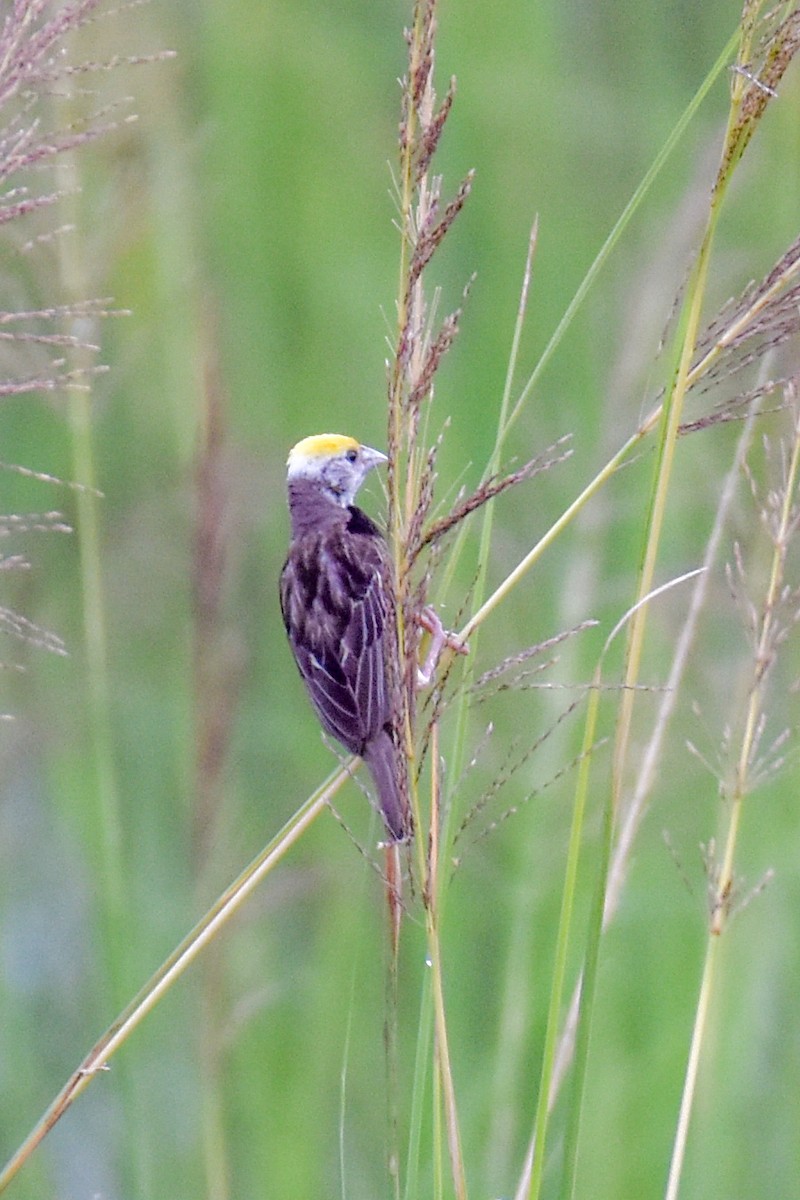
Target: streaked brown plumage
[{"x": 336, "y": 600}]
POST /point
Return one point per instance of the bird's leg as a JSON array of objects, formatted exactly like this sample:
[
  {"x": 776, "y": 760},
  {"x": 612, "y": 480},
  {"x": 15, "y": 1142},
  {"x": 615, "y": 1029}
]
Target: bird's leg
[{"x": 440, "y": 637}]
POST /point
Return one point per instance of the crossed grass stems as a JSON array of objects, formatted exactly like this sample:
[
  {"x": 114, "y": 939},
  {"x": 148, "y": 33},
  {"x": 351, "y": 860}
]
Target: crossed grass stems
[{"x": 758, "y": 322}]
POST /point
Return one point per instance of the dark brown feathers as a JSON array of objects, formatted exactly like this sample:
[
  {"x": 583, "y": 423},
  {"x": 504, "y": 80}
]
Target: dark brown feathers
[{"x": 336, "y": 600}]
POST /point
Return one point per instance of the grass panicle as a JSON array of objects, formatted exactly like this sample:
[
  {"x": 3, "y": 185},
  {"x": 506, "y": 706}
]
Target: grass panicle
[{"x": 771, "y": 610}]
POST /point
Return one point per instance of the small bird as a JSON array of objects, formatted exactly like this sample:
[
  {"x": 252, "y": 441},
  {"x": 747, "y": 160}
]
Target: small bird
[{"x": 337, "y": 603}]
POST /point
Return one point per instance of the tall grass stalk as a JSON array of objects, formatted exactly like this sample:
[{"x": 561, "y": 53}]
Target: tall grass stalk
[
  {"x": 203, "y": 934},
  {"x": 422, "y": 226},
  {"x": 73, "y": 258},
  {"x": 749, "y": 99},
  {"x": 722, "y": 883},
  {"x": 642, "y": 791}
]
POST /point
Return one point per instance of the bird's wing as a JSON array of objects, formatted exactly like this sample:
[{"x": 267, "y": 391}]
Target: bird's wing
[
  {"x": 364, "y": 657},
  {"x": 337, "y": 629}
]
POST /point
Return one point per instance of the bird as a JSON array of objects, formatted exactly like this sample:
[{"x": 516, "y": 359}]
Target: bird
[{"x": 337, "y": 603}]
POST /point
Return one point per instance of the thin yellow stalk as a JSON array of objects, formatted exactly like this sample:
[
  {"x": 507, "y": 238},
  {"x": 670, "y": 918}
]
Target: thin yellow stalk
[
  {"x": 724, "y": 884},
  {"x": 167, "y": 975},
  {"x": 671, "y": 419},
  {"x": 444, "y": 1073},
  {"x": 529, "y": 1187},
  {"x": 690, "y": 1081},
  {"x": 506, "y": 419},
  {"x": 718, "y": 922},
  {"x": 438, "y": 1139},
  {"x": 569, "y": 514},
  {"x": 670, "y": 424},
  {"x": 432, "y": 910},
  {"x": 646, "y": 427},
  {"x": 404, "y": 487}
]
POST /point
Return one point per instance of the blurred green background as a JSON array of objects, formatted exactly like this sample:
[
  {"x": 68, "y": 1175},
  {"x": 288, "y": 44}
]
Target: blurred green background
[{"x": 246, "y": 221}]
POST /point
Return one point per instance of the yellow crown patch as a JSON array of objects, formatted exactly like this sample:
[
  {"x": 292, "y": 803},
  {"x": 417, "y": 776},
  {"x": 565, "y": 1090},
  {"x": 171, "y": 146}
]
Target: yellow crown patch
[{"x": 320, "y": 445}]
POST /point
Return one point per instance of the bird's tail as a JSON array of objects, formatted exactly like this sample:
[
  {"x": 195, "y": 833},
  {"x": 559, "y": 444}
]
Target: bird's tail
[{"x": 387, "y": 768}]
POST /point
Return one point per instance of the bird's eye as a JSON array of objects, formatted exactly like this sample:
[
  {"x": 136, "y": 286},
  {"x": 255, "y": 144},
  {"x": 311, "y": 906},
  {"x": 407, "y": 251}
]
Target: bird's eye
[{"x": 351, "y": 456}]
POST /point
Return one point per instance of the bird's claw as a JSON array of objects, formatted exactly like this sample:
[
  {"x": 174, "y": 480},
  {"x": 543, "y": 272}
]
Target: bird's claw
[{"x": 441, "y": 638}]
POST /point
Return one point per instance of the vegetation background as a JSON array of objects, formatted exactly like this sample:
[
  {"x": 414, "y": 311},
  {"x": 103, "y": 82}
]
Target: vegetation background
[{"x": 245, "y": 220}]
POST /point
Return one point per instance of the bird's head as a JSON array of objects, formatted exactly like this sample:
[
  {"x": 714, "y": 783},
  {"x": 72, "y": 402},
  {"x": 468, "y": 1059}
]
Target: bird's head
[{"x": 337, "y": 464}]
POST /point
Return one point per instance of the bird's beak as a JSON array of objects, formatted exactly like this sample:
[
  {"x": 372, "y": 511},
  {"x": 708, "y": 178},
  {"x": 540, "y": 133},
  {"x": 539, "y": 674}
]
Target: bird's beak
[{"x": 372, "y": 458}]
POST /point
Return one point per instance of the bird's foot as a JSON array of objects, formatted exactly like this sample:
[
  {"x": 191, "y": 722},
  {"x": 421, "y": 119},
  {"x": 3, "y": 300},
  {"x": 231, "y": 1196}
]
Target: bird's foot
[{"x": 441, "y": 638}]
